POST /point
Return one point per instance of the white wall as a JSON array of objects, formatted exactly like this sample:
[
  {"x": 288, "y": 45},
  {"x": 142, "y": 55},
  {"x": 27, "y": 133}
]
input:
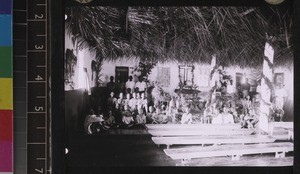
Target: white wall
[
  {"x": 84, "y": 59},
  {"x": 108, "y": 67},
  {"x": 174, "y": 79},
  {"x": 201, "y": 71}
]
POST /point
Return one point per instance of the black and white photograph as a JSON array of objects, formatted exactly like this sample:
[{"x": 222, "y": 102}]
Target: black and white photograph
[{"x": 188, "y": 86}]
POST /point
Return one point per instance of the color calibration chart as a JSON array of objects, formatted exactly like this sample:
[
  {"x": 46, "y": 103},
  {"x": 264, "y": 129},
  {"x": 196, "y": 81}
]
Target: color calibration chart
[{"x": 6, "y": 86}]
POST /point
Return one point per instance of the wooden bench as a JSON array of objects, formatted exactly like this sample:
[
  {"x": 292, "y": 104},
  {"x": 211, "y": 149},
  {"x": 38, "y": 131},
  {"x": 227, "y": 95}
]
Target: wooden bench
[
  {"x": 287, "y": 125},
  {"x": 193, "y": 126},
  {"x": 235, "y": 151},
  {"x": 192, "y": 132},
  {"x": 196, "y": 140}
]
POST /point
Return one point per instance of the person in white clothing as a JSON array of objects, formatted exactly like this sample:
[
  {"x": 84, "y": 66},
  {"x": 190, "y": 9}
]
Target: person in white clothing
[
  {"x": 141, "y": 85},
  {"x": 217, "y": 119},
  {"x": 127, "y": 118},
  {"x": 186, "y": 117},
  {"x": 280, "y": 96},
  {"x": 227, "y": 117},
  {"x": 130, "y": 85},
  {"x": 133, "y": 102}
]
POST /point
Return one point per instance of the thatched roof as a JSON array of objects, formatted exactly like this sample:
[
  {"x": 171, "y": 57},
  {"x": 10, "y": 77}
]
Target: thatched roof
[{"x": 187, "y": 34}]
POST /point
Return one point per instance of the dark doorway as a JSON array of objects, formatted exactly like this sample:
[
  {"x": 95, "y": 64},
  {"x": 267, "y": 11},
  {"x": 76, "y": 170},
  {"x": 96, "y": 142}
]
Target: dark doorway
[
  {"x": 238, "y": 81},
  {"x": 121, "y": 73},
  {"x": 121, "y": 78}
]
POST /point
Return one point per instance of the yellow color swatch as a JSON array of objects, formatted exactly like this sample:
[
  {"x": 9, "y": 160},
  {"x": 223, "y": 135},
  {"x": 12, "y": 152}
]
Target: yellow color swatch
[{"x": 6, "y": 97}]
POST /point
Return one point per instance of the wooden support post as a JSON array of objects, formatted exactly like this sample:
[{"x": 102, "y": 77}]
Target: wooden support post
[
  {"x": 184, "y": 161},
  {"x": 266, "y": 88},
  {"x": 168, "y": 146},
  {"x": 279, "y": 154},
  {"x": 235, "y": 157},
  {"x": 290, "y": 135}
]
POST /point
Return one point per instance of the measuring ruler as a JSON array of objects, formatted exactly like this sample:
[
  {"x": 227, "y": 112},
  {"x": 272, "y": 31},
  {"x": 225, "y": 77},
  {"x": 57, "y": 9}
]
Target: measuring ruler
[{"x": 37, "y": 87}]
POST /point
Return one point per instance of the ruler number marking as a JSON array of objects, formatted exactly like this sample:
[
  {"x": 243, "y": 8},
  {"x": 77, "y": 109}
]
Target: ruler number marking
[
  {"x": 41, "y": 16},
  {"x": 38, "y": 78},
  {"x": 39, "y": 47},
  {"x": 38, "y": 108},
  {"x": 40, "y": 171}
]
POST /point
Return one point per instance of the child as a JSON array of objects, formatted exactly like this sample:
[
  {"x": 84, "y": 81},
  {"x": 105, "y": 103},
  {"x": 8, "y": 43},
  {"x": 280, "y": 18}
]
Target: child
[
  {"x": 250, "y": 120},
  {"x": 120, "y": 101},
  {"x": 89, "y": 120},
  {"x": 186, "y": 117},
  {"x": 158, "y": 117},
  {"x": 227, "y": 117},
  {"x": 217, "y": 119},
  {"x": 127, "y": 118},
  {"x": 126, "y": 101},
  {"x": 171, "y": 113},
  {"x": 143, "y": 103},
  {"x": 140, "y": 118},
  {"x": 110, "y": 121},
  {"x": 133, "y": 102},
  {"x": 150, "y": 114},
  {"x": 111, "y": 101}
]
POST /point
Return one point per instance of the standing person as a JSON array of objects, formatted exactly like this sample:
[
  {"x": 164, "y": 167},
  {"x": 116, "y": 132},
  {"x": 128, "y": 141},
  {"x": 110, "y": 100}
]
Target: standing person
[
  {"x": 246, "y": 88},
  {"x": 130, "y": 84},
  {"x": 111, "y": 86},
  {"x": 280, "y": 97},
  {"x": 120, "y": 87},
  {"x": 227, "y": 117},
  {"x": 141, "y": 85},
  {"x": 247, "y": 105}
]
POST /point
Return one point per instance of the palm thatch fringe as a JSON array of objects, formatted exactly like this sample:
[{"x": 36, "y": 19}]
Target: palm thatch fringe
[{"x": 186, "y": 34}]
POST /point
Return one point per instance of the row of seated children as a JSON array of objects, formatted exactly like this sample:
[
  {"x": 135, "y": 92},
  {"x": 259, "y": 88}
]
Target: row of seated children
[
  {"x": 99, "y": 123},
  {"x": 219, "y": 115},
  {"x": 132, "y": 103},
  {"x": 162, "y": 115}
]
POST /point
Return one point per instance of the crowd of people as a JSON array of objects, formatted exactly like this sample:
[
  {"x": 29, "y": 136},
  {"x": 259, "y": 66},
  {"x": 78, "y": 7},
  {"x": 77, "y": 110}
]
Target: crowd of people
[{"x": 134, "y": 107}]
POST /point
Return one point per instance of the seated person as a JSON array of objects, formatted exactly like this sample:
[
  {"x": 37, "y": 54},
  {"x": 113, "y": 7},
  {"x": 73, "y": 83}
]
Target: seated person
[
  {"x": 126, "y": 101},
  {"x": 158, "y": 117},
  {"x": 143, "y": 103},
  {"x": 277, "y": 114},
  {"x": 111, "y": 101},
  {"x": 217, "y": 118},
  {"x": 250, "y": 120},
  {"x": 110, "y": 120},
  {"x": 171, "y": 113},
  {"x": 141, "y": 117},
  {"x": 133, "y": 102},
  {"x": 120, "y": 101},
  {"x": 150, "y": 114},
  {"x": 127, "y": 118},
  {"x": 186, "y": 116},
  {"x": 227, "y": 117},
  {"x": 90, "y": 119},
  {"x": 247, "y": 105},
  {"x": 207, "y": 114}
]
